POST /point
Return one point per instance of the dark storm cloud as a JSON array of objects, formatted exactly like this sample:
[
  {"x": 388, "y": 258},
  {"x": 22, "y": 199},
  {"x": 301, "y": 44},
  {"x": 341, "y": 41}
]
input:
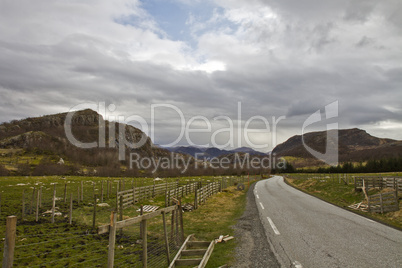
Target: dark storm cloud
[{"x": 278, "y": 58}]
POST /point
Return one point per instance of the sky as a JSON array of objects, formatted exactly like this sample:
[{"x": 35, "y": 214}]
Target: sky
[{"x": 225, "y": 73}]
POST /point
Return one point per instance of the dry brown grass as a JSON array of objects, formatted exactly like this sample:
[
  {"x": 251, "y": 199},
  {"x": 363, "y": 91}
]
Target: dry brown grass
[{"x": 214, "y": 218}]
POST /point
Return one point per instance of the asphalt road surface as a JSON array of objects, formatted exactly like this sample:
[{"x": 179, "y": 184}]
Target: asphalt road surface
[{"x": 304, "y": 231}]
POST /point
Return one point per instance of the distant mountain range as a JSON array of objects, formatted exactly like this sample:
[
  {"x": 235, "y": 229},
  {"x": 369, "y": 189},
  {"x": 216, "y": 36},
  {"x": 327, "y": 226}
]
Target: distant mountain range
[
  {"x": 353, "y": 145},
  {"x": 211, "y": 152},
  {"x": 46, "y": 136}
]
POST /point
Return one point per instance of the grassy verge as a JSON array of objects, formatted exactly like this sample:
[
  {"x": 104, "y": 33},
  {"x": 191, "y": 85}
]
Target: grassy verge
[
  {"x": 216, "y": 218},
  {"x": 344, "y": 195}
]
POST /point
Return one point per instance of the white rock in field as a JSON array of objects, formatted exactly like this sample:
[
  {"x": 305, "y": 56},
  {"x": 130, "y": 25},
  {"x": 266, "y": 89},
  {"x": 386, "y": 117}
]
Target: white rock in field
[
  {"x": 56, "y": 213},
  {"x": 103, "y": 205}
]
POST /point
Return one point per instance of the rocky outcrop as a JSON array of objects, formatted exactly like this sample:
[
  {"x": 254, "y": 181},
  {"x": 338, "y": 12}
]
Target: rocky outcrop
[
  {"x": 48, "y": 132},
  {"x": 25, "y": 139}
]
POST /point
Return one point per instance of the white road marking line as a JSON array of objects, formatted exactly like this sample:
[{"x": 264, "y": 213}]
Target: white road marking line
[
  {"x": 297, "y": 264},
  {"x": 258, "y": 197},
  {"x": 262, "y": 206},
  {"x": 273, "y": 226},
  {"x": 370, "y": 220}
]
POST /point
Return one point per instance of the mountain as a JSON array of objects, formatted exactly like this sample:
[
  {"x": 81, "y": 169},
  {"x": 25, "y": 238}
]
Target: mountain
[
  {"x": 353, "y": 145},
  {"x": 40, "y": 131},
  {"x": 248, "y": 150},
  {"x": 45, "y": 138},
  {"x": 211, "y": 152},
  {"x": 189, "y": 150}
]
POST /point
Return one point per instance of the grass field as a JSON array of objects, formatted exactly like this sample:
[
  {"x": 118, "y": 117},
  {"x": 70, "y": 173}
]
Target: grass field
[
  {"x": 60, "y": 244},
  {"x": 330, "y": 188}
]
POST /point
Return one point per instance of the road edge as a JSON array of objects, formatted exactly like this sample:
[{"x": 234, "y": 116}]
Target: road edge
[{"x": 256, "y": 249}]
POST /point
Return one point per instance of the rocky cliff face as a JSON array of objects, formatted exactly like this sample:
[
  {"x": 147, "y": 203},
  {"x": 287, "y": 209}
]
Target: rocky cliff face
[
  {"x": 87, "y": 118},
  {"x": 47, "y": 133}
]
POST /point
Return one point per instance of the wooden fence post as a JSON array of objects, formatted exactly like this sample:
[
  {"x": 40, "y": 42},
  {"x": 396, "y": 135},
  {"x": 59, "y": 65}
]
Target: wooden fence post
[
  {"x": 54, "y": 202},
  {"x": 181, "y": 221},
  {"x": 65, "y": 193},
  {"x": 121, "y": 212},
  {"x": 117, "y": 196},
  {"x": 182, "y": 191},
  {"x": 82, "y": 191},
  {"x": 144, "y": 244},
  {"x": 37, "y": 206},
  {"x": 195, "y": 199},
  {"x": 32, "y": 201},
  {"x": 101, "y": 197},
  {"x": 40, "y": 198},
  {"x": 153, "y": 190},
  {"x": 70, "y": 216},
  {"x": 112, "y": 239},
  {"x": 381, "y": 204},
  {"x": 9, "y": 244},
  {"x": 23, "y": 205},
  {"x": 134, "y": 197},
  {"x": 172, "y": 227},
  {"x": 94, "y": 214},
  {"x": 78, "y": 194},
  {"x": 177, "y": 225},
  {"x": 107, "y": 189},
  {"x": 166, "y": 237}
]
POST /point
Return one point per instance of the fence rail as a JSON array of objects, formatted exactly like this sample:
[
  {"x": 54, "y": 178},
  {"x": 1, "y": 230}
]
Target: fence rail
[
  {"x": 131, "y": 196},
  {"x": 202, "y": 194},
  {"x": 379, "y": 183},
  {"x": 176, "y": 235},
  {"x": 383, "y": 202},
  {"x": 181, "y": 192}
]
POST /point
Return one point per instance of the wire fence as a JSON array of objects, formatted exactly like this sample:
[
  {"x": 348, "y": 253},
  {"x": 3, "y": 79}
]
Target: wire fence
[
  {"x": 46, "y": 236},
  {"x": 52, "y": 201},
  {"x": 63, "y": 245},
  {"x": 59, "y": 245}
]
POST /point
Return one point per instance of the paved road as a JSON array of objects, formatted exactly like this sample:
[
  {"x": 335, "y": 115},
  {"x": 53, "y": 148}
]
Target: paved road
[{"x": 307, "y": 232}]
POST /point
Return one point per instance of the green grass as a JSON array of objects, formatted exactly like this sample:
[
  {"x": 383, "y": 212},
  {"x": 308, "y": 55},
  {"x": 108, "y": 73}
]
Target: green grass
[
  {"x": 328, "y": 188},
  {"x": 216, "y": 218},
  {"x": 38, "y": 242}
]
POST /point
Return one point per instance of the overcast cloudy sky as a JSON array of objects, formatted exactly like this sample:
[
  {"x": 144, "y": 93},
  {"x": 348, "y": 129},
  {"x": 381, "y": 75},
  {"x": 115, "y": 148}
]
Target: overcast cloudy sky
[{"x": 275, "y": 57}]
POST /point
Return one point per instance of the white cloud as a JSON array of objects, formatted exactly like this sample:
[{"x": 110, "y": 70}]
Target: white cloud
[{"x": 276, "y": 57}]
